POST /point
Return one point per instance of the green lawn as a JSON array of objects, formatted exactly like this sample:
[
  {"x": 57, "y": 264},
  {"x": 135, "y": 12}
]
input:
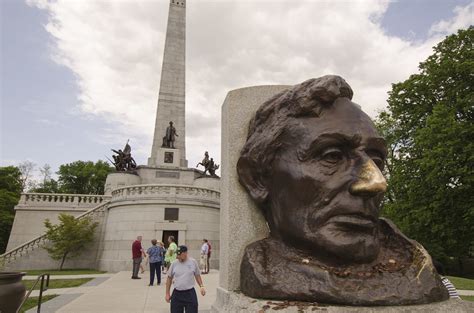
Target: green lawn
[
  {"x": 58, "y": 283},
  {"x": 468, "y": 298},
  {"x": 33, "y": 301},
  {"x": 64, "y": 272},
  {"x": 462, "y": 283}
]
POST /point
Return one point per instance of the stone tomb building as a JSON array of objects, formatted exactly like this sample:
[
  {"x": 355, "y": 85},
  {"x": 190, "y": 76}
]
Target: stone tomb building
[{"x": 161, "y": 199}]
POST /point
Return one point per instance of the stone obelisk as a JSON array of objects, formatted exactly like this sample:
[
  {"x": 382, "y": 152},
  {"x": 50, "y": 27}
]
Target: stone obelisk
[{"x": 171, "y": 99}]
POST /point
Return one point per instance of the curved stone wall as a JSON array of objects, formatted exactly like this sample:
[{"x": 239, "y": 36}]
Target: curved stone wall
[
  {"x": 120, "y": 179},
  {"x": 140, "y": 210},
  {"x": 208, "y": 182}
]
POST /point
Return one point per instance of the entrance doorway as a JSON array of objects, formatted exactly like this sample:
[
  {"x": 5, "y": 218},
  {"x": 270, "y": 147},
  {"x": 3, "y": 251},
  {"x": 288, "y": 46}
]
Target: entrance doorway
[{"x": 167, "y": 233}]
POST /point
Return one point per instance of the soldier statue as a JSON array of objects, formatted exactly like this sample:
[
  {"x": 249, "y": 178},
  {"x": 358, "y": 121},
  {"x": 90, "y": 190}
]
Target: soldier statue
[
  {"x": 123, "y": 160},
  {"x": 212, "y": 168},
  {"x": 208, "y": 165}
]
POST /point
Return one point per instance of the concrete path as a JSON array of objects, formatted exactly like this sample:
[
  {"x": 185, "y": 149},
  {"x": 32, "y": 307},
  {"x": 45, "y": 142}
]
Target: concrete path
[
  {"x": 116, "y": 293},
  {"x": 55, "y": 304},
  {"x": 466, "y": 292},
  {"x": 122, "y": 294},
  {"x": 31, "y": 277}
]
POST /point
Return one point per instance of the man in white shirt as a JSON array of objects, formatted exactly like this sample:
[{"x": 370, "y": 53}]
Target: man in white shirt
[
  {"x": 183, "y": 272},
  {"x": 204, "y": 256}
]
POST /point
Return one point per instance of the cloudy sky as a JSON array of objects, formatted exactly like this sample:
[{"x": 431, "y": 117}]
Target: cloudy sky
[{"x": 81, "y": 77}]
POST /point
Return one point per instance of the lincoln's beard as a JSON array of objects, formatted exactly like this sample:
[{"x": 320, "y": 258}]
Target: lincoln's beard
[
  {"x": 336, "y": 239},
  {"x": 347, "y": 244}
]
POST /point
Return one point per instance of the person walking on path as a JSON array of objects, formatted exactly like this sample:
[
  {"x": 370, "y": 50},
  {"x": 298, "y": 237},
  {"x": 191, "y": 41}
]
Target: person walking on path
[
  {"x": 137, "y": 252},
  {"x": 204, "y": 255},
  {"x": 163, "y": 254},
  {"x": 170, "y": 256},
  {"x": 183, "y": 273},
  {"x": 208, "y": 256},
  {"x": 155, "y": 258}
]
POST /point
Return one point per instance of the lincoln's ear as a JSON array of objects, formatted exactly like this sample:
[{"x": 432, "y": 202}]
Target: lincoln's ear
[{"x": 250, "y": 178}]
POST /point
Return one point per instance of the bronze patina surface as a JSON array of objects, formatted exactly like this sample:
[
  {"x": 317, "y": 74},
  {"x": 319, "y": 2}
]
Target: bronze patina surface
[
  {"x": 123, "y": 160},
  {"x": 313, "y": 162},
  {"x": 170, "y": 137},
  {"x": 209, "y": 165}
]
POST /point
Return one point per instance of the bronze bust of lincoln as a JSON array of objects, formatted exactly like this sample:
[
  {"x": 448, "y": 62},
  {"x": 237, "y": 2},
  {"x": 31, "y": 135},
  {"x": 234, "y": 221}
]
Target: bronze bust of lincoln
[{"x": 313, "y": 163}]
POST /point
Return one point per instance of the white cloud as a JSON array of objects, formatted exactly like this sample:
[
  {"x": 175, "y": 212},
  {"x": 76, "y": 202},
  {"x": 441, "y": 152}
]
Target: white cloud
[
  {"x": 115, "y": 50},
  {"x": 464, "y": 17}
]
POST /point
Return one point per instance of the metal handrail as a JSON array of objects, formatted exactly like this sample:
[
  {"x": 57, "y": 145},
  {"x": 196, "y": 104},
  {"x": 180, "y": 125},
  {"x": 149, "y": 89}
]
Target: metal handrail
[{"x": 40, "y": 297}]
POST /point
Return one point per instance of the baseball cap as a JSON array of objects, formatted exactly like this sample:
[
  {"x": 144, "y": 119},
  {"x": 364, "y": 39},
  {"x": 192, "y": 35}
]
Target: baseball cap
[{"x": 182, "y": 249}]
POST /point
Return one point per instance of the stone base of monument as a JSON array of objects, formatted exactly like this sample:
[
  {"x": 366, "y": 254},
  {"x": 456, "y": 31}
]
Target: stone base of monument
[
  {"x": 234, "y": 302},
  {"x": 166, "y": 157}
]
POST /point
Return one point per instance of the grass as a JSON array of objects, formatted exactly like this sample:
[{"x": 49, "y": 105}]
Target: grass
[
  {"x": 462, "y": 283},
  {"x": 63, "y": 272},
  {"x": 58, "y": 283},
  {"x": 33, "y": 302},
  {"x": 468, "y": 298}
]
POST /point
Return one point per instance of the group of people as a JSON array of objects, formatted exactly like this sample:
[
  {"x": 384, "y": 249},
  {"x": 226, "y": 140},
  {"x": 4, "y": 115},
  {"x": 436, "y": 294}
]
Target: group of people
[{"x": 181, "y": 270}]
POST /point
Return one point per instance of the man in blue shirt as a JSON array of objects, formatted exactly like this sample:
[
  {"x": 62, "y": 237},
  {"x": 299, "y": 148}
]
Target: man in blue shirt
[{"x": 155, "y": 257}]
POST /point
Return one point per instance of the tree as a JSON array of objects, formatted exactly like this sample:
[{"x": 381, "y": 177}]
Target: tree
[
  {"x": 430, "y": 167},
  {"x": 47, "y": 184},
  {"x": 26, "y": 169},
  {"x": 69, "y": 237},
  {"x": 83, "y": 177},
  {"x": 50, "y": 186},
  {"x": 10, "y": 189},
  {"x": 46, "y": 173}
]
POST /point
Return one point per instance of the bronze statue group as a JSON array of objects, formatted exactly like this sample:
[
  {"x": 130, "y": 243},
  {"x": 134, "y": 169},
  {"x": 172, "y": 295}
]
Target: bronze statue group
[
  {"x": 209, "y": 165},
  {"x": 123, "y": 160}
]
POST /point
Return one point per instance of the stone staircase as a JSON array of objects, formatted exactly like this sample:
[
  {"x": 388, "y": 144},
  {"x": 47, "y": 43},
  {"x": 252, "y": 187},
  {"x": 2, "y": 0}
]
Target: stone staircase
[{"x": 29, "y": 246}]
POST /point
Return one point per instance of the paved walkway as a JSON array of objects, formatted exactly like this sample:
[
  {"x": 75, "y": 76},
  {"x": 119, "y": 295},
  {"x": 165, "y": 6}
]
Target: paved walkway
[
  {"x": 116, "y": 293},
  {"x": 466, "y": 292},
  {"x": 119, "y": 293}
]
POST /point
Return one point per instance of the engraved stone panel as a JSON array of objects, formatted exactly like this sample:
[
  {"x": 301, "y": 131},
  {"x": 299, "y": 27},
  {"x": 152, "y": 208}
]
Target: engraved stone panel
[
  {"x": 169, "y": 157},
  {"x": 167, "y": 174}
]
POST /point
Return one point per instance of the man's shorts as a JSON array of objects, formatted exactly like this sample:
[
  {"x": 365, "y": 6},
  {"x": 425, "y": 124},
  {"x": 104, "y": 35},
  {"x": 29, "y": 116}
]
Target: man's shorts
[{"x": 203, "y": 260}]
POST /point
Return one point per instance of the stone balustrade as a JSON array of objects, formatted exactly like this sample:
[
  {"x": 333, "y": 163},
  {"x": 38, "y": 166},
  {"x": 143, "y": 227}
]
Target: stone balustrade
[
  {"x": 166, "y": 192},
  {"x": 61, "y": 200},
  {"x": 97, "y": 212}
]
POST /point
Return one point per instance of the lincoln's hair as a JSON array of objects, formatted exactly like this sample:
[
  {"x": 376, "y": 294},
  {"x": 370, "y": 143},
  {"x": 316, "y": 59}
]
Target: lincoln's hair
[{"x": 277, "y": 114}]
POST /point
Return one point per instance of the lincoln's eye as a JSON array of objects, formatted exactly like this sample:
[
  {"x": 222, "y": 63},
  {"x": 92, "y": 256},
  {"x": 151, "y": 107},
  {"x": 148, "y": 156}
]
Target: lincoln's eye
[
  {"x": 377, "y": 158},
  {"x": 378, "y": 162},
  {"x": 332, "y": 155}
]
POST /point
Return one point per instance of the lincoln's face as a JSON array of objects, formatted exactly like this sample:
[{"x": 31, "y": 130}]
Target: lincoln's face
[{"x": 325, "y": 184}]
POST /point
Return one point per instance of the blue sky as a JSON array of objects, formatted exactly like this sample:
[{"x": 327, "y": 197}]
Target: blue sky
[
  {"x": 40, "y": 121},
  {"x": 412, "y": 19},
  {"x": 45, "y": 113}
]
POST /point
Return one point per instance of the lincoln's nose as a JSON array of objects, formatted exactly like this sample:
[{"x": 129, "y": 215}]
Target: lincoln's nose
[{"x": 370, "y": 181}]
